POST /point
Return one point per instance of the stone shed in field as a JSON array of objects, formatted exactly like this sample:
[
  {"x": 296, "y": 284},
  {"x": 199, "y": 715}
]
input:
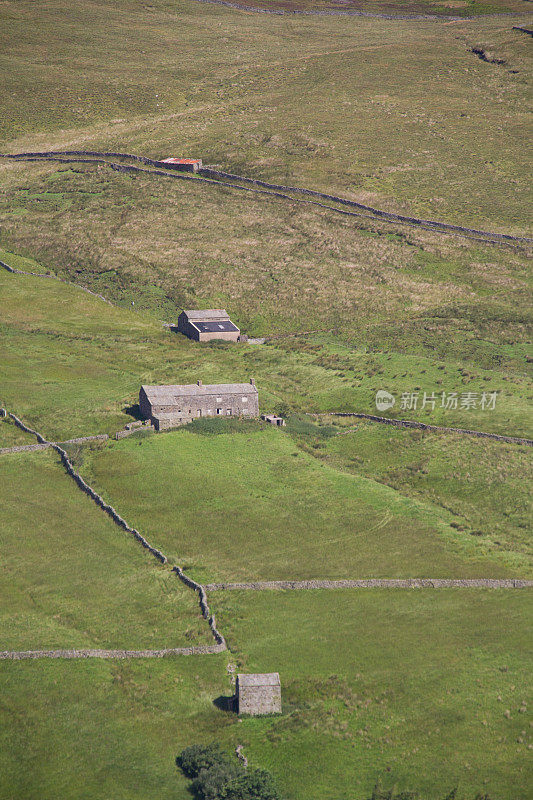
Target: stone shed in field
[
  {"x": 170, "y": 406},
  {"x": 203, "y": 326},
  {"x": 258, "y": 694}
]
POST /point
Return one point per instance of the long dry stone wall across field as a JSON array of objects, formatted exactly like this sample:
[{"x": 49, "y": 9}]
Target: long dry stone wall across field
[
  {"x": 55, "y": 278},
  {"x": 20, "y": 655},
  {"x": 101, "y": 437},
  {"x": 337, "y": 12},
  {"x": 422, "y": 426},
  {"x": 118, "y": 520},
  {"x": 207, "y": 175},
  {"x": 378, "y": 583}
]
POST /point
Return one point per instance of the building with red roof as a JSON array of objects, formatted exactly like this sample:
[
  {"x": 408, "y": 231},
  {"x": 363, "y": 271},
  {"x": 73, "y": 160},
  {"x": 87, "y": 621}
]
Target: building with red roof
[{"x": 185, "y": 164}]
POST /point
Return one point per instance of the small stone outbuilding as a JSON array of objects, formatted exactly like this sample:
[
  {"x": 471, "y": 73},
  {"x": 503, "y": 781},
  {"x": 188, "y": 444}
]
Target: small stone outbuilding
[
  {"x": 204, "y": 326},
  {"x": 183, "y": 164},
  {"x": 258, "y": 694},
  {"x": 170, "y": 406},
  {"x": 273, "y": 419}
]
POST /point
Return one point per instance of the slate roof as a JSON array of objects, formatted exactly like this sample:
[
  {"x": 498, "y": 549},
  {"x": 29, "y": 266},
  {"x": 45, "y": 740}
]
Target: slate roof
[
  {"x": 167, "y": 395},
  {"x": 215, "y": 327},
  {"x": 259, "y": 679},
  {"x": 207, "y": 315}
]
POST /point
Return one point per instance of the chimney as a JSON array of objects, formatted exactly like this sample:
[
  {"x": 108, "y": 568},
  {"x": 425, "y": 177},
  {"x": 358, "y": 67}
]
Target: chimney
[
  {"x": 199, "y": 383},
  {"x": 252, "y": 381}
]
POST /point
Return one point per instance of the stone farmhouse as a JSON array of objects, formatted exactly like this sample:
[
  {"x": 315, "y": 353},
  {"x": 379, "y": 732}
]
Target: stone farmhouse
[
  {"x": 203, "y": 326},
  {"x": 170, "y": 406},
  {"x": 258, "y": 694}
]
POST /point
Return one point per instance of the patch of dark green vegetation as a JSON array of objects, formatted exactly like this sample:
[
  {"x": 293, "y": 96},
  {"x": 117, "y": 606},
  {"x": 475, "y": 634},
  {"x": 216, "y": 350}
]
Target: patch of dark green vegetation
[
  {"x": 216, "y": 775},
  {"x": 216, "y": 426},
  {"x": 301, "y": 426}
]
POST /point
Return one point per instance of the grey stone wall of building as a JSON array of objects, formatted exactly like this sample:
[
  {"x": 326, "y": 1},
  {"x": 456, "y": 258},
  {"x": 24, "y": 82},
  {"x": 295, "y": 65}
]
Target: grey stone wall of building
[
  {"x": 195, "y": 406},
  {"x": 144, "y": 404},
  {"x": 185, "y": 327},
  {"x": 226, "y": 336},
  {"x": 257, "y": 700}
]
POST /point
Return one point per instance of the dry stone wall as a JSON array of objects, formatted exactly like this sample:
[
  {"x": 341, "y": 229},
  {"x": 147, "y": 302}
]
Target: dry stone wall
[
  {"x": 20, "y": 655},
  {"x": 378, "y": 583},
  {"x": 55, "y": 278},
  {"x": 274, "y": 190},
  {"x": 118, "y": 520},
  {"x": 405, "y": 423},
  {"x": 335, "y": 12},
  {"x": 29, "y": 447}
]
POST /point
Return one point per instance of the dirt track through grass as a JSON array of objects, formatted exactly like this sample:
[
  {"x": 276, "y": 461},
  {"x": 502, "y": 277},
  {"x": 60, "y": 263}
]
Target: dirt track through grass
[{"x": 334, "y": 12}]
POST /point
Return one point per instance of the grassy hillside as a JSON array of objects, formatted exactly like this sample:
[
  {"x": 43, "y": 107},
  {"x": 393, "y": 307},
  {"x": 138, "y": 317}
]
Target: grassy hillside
[
  {"x": 455, "y": 8},
  {"x": 89, "y": 729},
  {"x": 250, "y": 505},
  {"x": 420, "y": 689},
  {"x": 483, "y": 484},
  {"x": 305, "y": 99},
  {"x": 71, "y": 578},
  {"x": 428, "y": 689},
  {"x": 92, "y": 359}
]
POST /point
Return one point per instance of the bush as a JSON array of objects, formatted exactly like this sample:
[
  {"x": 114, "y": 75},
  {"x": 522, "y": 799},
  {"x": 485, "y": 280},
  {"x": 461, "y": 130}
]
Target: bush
[
  {"x": 213, "y": 426},
  {"x": 211, "y": 782},
  {"x": 199, "y": 757},
  {"x": 219, "y": 776},
  {"x": 254, "y": 785}
]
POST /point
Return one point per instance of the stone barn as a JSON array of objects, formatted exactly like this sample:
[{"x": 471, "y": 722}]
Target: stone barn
[
  {"x": 258, "y": 694},
  {"x": 207, "y": 325},
  {"x": 170, "y": 406},
  {"x": 183, "y": 164}
]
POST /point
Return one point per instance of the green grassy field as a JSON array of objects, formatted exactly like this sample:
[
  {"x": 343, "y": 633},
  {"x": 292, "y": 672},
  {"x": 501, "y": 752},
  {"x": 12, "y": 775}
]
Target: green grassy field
[
  {"x": 252, "y": 505},
  {"x": 92, "y": 358},
  {"x": 89, "y": 729},
  {"x": 410, "y": 687},
  {"x": 70, "y": 578},
  {"x": 483, "y": 484}
]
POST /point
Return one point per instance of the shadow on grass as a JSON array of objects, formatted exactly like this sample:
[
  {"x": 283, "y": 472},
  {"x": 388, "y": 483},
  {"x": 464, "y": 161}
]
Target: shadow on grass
[
  {"x": 133, "y": 411},
  {"x": 226, "y": 703}
]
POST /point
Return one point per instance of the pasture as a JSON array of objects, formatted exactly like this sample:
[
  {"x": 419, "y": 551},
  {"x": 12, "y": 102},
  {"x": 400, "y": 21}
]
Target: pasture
[
  {"x": 252, "y": 505},
  {"x": 425, "y": 689},
  {"x": 419, "y": 689},
  {"x": 70, "y": 578}
]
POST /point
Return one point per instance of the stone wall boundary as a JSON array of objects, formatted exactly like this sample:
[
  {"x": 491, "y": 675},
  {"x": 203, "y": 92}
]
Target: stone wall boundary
[
  {"x": 55, "y": 278},
  {"x": 376, "y": 583},
  {"x": 29, "y": 447},
  {"x": 20, "y": 655},
  {"x": 121, "y": 523},
  {"x": 277, "y": 190},
  {"x": 387, "y": 215},
  {"x": 406, "y": 423}
]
